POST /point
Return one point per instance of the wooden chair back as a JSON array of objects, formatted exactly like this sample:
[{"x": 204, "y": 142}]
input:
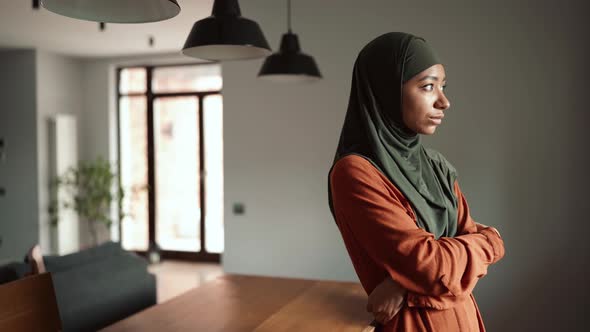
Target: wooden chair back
[{"x": 29, "y": 304}]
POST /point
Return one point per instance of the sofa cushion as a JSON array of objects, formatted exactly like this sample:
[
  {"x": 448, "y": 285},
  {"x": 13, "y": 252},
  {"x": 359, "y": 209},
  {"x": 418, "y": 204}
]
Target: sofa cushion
[
  {"x": 93, "y": 254},
  {"x": 93, "y": 296},
  {"x": 13, "y": 271}
]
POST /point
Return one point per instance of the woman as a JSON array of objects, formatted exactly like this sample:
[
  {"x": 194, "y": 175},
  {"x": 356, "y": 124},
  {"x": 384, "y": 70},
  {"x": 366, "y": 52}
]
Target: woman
[{"x": 404, "y": 221}]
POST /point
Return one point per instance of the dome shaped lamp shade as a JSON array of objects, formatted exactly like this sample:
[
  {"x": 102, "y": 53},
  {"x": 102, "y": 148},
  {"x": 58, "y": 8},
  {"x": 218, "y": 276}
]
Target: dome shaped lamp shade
[
  {"x": 226, "y": 35},
  {"x": 115, "y": 11},
  {"x": 290, "y": 64}
]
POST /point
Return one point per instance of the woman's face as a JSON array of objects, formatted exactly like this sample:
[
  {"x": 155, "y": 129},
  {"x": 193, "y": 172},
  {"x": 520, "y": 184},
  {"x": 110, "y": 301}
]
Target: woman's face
[{"x": 424, "y": 101}]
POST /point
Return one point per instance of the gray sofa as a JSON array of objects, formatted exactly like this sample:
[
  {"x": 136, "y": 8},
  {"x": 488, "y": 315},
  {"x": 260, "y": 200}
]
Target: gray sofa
[{"x": 95, "y": 287}]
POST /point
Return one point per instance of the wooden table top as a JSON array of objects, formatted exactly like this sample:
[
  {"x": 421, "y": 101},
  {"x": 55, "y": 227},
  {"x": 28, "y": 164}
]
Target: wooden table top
[{"x": 236, "y": 303}]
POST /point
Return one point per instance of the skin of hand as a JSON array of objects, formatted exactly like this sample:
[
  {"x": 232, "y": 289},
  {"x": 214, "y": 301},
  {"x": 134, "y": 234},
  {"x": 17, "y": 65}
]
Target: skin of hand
[{"x": 386, "y": 300}]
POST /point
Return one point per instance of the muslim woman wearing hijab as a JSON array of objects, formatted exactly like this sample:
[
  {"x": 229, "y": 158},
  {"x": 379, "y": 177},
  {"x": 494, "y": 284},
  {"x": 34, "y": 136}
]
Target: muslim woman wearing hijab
[{"x": 403, "y": 218}]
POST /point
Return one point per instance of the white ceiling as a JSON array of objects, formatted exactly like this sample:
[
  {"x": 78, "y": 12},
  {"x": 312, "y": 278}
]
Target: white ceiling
[{"x": 23, "y": 27}]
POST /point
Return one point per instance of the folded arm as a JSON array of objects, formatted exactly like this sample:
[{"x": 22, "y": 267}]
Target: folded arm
[{"x": 410, "y": 255}]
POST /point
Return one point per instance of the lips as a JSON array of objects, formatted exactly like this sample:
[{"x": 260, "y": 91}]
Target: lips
[{"x": 436, "y": 119}]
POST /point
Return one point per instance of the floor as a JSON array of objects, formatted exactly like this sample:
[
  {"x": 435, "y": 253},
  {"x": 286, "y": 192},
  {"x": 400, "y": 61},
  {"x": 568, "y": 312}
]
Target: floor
[{"x": 176, "y": 277}]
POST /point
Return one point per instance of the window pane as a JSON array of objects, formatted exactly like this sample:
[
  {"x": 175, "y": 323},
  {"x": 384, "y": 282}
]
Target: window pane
[
  {"x": 187, "y": 78},
  {"x": 133, "y": 145},
  {"x": 178, "y": 212},
  {"x": 133, "y": 80},
  {"x": 213, "y": 139}
]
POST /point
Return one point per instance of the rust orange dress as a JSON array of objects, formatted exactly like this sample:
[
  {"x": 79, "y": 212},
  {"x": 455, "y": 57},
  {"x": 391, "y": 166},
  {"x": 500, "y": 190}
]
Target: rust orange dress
[{"x": 382, "y": 237}]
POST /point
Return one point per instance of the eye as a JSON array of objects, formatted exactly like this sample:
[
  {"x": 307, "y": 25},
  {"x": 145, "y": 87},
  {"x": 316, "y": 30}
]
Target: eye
[{"x": 428, "y": 87}]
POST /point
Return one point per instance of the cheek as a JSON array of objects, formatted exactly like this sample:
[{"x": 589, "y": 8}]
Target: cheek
[
  {"x": 415, "y": 107},
  {"x": 409, "y": 109},
  {"x": 413, "y": 114},
  {"x": 421, "y": 110}
]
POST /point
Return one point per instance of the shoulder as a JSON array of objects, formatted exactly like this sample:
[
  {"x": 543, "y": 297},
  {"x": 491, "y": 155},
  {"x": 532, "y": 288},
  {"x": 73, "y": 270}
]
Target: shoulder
[
  {"x": 353, "y": 166},
  {"x": 353, "y": 175},
  {"x": 356, "y": 182}
]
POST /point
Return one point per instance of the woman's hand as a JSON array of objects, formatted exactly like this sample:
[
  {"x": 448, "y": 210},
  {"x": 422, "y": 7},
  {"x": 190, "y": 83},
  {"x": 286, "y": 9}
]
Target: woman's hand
[
  {"x": 480, "y": 227},
  {"x": 386, "y": 300}
]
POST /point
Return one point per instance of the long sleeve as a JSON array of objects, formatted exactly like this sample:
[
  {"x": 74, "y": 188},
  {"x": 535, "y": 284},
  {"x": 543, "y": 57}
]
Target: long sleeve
[
  {"x": 366, "y": 207},
  {"x": 465, "y": 225}
]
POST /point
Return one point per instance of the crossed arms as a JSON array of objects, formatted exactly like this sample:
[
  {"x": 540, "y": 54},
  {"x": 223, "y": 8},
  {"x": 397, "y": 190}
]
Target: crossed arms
[{"x": 435, "y": 273}]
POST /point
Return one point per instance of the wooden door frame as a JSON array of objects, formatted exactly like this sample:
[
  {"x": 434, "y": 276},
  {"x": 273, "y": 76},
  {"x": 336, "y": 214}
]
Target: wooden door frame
[{"x": 202, "y": 255}]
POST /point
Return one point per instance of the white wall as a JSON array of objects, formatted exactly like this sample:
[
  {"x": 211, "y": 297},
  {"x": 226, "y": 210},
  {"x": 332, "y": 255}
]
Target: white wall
[
  {"x": 59, "y": 91},
  {"x": 18, "y": 172},
  {"x": 95, "y": 118},
  {"x": 84, "y": 87},
  {"x": 63, "y": 155}
]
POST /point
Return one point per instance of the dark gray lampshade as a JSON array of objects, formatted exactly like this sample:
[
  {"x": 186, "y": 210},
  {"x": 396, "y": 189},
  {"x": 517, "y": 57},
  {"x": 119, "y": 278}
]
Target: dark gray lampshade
[
  {"x": 290, "y": 64},
  {"x": 115, "y": 11},
  {"x": 226, "y": 35}
]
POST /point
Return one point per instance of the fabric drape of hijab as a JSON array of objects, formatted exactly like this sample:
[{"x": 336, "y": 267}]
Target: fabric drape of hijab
[{"x": 374, "y": 129}]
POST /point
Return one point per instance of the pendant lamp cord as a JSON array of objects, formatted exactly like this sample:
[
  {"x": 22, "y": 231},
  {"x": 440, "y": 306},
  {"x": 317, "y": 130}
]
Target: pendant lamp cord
[{"x": 289, "y": 15}]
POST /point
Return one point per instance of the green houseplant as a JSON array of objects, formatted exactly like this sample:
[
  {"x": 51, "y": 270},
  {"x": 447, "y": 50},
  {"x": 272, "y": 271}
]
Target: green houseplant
[{"x": 90, "y": 189}]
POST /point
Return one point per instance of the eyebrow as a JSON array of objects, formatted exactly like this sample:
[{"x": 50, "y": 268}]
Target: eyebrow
[{"x": 431, "y": 77}]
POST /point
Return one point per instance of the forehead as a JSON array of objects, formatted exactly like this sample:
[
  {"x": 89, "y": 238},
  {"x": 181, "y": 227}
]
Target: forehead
[{"x": 435, "y": 72}]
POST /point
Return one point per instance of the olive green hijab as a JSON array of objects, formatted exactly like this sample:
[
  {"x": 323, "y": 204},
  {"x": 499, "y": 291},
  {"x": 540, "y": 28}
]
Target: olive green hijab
[{"x": 374, "y": 129}]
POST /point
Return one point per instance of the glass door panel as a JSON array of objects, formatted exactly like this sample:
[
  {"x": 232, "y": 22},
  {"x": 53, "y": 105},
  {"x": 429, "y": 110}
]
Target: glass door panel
[
  {"x": 133, "y": 172},
  {"x": 132, "y": 80},
  {"x": 213, "y": 139},
  {"x": 187, "y": 78},
  {"x": 176, "y": 149}
]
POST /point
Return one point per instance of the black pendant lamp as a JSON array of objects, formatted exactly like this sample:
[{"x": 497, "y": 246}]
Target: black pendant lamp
[
  {"x": 115, "y": 11},
  {"x": 226, "y": 35},
  {"x": 290, "y": 64}
]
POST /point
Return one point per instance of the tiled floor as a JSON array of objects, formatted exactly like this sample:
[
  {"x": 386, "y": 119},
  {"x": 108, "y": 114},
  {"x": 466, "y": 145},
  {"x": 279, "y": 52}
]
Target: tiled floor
[{"x": 177, "y": 277}]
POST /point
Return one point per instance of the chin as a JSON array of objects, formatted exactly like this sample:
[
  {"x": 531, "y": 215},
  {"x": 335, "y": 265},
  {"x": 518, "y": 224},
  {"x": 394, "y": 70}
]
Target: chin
[{"x": 428, "y": 130}]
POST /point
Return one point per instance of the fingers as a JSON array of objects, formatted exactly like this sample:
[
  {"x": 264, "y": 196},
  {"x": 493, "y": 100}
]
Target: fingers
[
  {"x": 384, "y": 315},
  {"x": 381, "y": 318},
  {"x": 369, "y": 328},
  {"x": 497, "y": 232},
  {"x": 384, "y": 311}
]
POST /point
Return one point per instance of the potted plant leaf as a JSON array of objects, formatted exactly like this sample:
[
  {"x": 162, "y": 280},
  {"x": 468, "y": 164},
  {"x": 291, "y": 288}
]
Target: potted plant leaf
[{"x": 90, "y": 186}]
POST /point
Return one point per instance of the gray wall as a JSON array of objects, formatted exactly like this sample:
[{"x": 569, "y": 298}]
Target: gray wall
[
  {"x": 59, "y": 90},
  {"x": 95, "y": 124},
  {"x": 34, "y": 85},
  {"x": 514, "y": 131},
  {"x": 18, "y": 173}
]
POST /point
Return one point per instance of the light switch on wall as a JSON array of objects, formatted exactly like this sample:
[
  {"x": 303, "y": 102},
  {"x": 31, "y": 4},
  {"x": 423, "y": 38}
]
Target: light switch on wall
[
  {"x": 2, "y": 150},
  {"x": 239, "y": 209}
]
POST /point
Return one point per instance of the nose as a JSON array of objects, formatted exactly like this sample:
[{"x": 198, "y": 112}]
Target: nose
[{"x": 442, "y": 103}]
